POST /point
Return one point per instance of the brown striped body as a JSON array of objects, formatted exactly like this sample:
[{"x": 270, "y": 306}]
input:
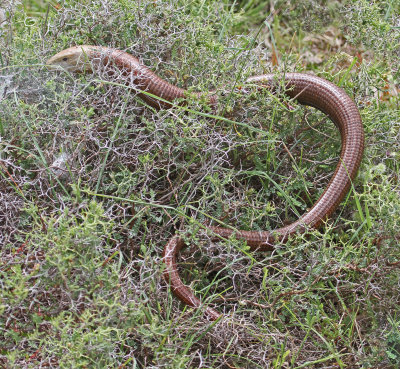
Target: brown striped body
[{"x": 307, "y": 89}]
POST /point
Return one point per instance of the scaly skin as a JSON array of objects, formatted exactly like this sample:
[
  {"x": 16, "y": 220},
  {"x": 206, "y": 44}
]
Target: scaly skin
[{"x": 307, "y": 89}]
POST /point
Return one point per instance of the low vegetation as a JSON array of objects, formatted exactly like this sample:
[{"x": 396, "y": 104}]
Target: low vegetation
[{"x": 94, "y": 183}]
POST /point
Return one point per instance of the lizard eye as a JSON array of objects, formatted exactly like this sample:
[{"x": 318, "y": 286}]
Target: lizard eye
[{"x": 65, "y": 59}]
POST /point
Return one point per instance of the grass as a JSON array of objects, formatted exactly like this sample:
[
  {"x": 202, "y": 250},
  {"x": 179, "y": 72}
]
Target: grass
[{"x": 94, "y": 183}]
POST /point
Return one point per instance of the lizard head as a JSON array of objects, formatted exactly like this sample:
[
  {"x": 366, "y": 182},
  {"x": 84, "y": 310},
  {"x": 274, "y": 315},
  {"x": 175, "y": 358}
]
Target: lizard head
[{"x": 73, "y": 59}]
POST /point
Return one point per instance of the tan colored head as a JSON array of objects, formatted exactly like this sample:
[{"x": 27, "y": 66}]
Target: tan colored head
[{"x": 73, "y": 59}]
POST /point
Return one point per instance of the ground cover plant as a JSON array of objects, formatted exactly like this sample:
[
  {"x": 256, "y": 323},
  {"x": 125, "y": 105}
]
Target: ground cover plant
[{"x": 94, "y": 182}]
